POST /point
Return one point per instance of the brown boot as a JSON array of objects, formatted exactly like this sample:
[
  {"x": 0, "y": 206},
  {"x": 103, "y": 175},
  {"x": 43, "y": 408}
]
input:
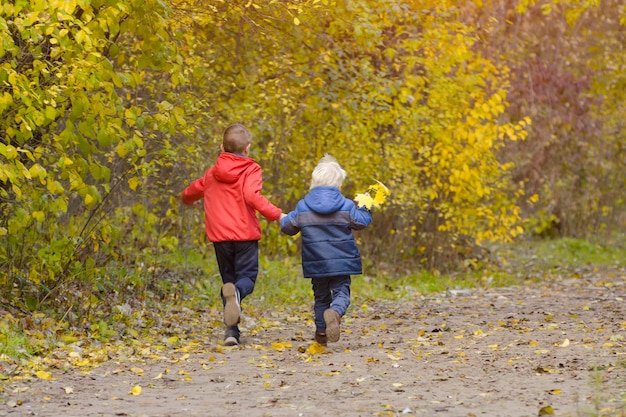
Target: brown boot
[
  {"x": 333, "y": 325},
  {"x": 320, "y": 337}
]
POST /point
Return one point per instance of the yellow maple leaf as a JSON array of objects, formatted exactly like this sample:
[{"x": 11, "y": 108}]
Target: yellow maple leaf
[
  {"x": 364, "y": 200},
  {"x": 375, "y": 196},
  {"x": 44, "y": 375},
  {"x": 381, "y": 192},
  {"x": 280, "y": 346},
  {"x": 315, "y": 348},
  {"x": 136, "y": 390}
]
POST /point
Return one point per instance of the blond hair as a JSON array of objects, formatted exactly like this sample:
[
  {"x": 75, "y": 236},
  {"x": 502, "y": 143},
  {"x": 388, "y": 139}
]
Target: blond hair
[
  {"x": 236, "y": 138},
  {"x": 328, "y": 172}
]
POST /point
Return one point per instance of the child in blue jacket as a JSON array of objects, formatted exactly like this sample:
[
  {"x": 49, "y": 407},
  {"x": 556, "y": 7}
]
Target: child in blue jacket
[{"x": 330, "y": 254}]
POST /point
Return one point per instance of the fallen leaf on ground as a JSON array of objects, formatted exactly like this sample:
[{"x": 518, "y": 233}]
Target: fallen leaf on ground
[
  {"x": 44, "y": 375},
  {"x": 546, "y": 411},
  {"x": 315, "y": 348},
  {"x": 280, "y": 346}
]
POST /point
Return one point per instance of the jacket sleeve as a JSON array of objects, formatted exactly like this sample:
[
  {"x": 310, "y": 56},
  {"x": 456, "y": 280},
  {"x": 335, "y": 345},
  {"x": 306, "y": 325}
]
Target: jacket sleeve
[
  {"x": 194, "y": 192},
  {"x": 360, "y": 218},
  {"x": 289, "y": 224},
  {"x": 254, "y": 198}
]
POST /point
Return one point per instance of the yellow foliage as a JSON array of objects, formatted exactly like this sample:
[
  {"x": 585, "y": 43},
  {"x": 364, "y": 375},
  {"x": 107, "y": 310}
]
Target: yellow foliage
[
  {"x": 374, "y": 197},
  {"x": 133, "y": 183}
]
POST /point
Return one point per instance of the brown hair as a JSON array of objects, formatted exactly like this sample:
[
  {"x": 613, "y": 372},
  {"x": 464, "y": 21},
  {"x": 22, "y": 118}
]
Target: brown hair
[{"x": 236, "y": 138}]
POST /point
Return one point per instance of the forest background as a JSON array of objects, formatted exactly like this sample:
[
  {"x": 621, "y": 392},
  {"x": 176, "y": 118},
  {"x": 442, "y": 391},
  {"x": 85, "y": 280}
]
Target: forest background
[{"x": 489, "y": 121}]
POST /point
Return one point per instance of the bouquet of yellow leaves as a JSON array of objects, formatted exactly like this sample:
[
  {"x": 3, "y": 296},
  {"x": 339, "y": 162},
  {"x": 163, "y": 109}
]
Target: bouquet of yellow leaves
[{"x": 375, "y": 196}]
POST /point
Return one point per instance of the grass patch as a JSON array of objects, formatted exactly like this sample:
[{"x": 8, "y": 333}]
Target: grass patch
[
  {"x": 13, "y": 343},
  {"x": 424, "y": 283},
  {"x": 280, "y": 282},
  {"x": 570, "y": 252},
  {"x": 137, "y": 301},
  {"x": 564, "y": 253}
]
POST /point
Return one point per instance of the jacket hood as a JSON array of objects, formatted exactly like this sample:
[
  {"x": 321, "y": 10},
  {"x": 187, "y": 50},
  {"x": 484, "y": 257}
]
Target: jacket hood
[
  {"x": 230, "y": 166},
  {"x": 324, "y": 199}
]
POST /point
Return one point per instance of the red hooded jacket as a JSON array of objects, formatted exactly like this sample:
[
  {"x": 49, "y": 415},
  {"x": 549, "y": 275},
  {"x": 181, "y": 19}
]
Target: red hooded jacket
[{"x": 232, "y": 194}]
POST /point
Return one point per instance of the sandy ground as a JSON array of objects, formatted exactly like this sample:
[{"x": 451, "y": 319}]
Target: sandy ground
[{"x": 549, "y": 349}]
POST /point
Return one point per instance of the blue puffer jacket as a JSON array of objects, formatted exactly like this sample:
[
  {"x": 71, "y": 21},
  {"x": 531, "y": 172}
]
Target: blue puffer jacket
[{"x": 326, "y": 219}]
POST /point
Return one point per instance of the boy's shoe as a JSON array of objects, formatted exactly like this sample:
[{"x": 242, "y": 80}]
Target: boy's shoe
[
  {"x": 320, "y": 337},
  {"x": 231, "y": 306},
  {"x": 231, "y": 337},
  {"x": 333, "y": 323}
]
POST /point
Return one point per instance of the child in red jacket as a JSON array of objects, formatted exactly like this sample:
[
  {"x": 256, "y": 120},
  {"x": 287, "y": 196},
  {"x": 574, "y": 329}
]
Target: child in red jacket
[{"x": 232, "y": 195}]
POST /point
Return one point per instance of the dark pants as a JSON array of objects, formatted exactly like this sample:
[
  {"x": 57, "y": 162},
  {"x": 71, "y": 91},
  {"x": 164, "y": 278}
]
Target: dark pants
[
  {"x": 238, "y": 262},
  {"x": 330, "y": 292}
]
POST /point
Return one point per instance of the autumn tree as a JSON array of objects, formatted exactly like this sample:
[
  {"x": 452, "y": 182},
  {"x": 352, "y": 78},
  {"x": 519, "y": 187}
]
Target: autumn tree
[
  {"x": 110, "y": 109},
  {"x": 395, "y": 90},
  {"x": 83, "y": 122},
  {"x": 566, "y": 60}
]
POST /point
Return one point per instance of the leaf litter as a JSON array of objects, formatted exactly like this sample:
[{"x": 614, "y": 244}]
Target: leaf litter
[{"x": 556, "y": 348}]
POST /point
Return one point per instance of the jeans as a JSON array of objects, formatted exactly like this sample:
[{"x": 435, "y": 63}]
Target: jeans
[
  {"x": 330, "y": 292},
  {"x": 238, "y": 262}
]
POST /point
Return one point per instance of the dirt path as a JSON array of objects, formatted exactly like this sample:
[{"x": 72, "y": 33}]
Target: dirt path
[{"x": 498, "y": 352}]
